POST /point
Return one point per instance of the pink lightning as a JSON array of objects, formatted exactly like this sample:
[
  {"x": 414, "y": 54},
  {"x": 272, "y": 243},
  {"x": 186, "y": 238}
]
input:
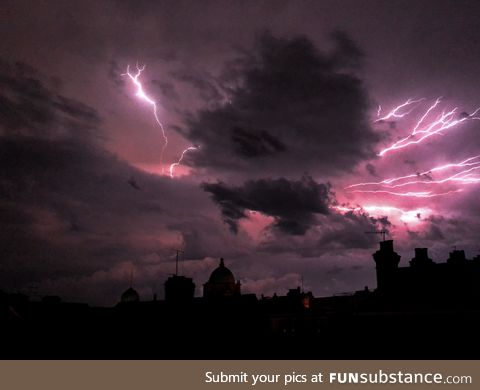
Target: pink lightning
[
  {"x": 175, "y": 164},
  {"x": 408, "y": 216},
  {"x": 409, "y": 194},
  {"x": 424, "y": 129},
  {"x": 143, "y": 96},
  {"x": 397, "y": 112},
  {"x": 432, "y": 121},
  {"x": 462, "y": 177}
]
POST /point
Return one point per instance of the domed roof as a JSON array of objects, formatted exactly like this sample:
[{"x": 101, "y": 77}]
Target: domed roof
[
  {"x": 221, "y": 274},
  {"x": 130, "y": 295}
]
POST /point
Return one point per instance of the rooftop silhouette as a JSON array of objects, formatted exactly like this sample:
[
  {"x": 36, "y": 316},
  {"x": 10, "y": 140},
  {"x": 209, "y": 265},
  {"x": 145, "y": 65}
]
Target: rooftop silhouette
[{"x": 425, "y": 309}]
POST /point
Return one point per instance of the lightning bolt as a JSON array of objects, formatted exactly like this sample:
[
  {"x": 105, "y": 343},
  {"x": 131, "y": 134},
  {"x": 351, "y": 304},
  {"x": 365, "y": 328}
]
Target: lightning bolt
[
  {"x": 409, "y": 216},
  {"x": 397, "y": 112},
  {"x": 424, "y": 129},
  {"x": 175, "y": 164},
  {"x": 462, "y": 177},
  {"x": 143, "y": 96},
  {"x": 433, "y": 106},
  {"x": 410, "y": 194},
  {"x": 431, "y": 122}
]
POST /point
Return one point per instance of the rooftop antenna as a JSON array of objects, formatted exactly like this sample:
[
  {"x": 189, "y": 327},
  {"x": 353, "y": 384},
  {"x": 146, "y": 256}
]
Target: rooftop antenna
[
  {"x": 382, "y": 232},
  {"x": 176, "y": 261}
]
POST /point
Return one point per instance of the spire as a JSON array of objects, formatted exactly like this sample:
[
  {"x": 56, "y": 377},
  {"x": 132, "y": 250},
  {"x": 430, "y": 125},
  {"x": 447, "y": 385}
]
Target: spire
[
  {"x": 222, "y": 264},
  {"x": 176, "y": 261}
]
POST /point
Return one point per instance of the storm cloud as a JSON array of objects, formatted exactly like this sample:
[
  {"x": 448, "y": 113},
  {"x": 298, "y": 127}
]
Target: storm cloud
[
  {"x": 296, "y": 109},
  {"x": 31, "y": 108},
  {"x": 293, "y": 204},
  {"x": 275, "y": 115},
  {"x": 64, "y": 198}
]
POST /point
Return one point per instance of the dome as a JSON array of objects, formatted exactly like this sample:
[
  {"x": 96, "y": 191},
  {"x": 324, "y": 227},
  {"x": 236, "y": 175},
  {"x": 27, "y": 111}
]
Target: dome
[
  {"x": 130, "y": 295},
  {"x": 221, "y": 275},
  {"x": 221, "y": 284}
]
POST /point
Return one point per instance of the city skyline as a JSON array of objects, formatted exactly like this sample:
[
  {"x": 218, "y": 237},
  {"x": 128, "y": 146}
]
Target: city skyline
[
  {"x": 426, "y": 309},
  {"x": 273, "y": 134}
]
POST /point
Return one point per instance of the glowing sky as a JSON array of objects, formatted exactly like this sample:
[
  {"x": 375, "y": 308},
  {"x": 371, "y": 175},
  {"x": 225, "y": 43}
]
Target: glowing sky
[{"x": 274, "y": 134}]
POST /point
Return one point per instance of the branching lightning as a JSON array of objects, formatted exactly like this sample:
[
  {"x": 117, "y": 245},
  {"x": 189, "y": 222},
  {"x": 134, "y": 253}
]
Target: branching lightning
[
  {"x": 410, "y": 194},
  {"x": 143, "y": 96},
  {"x": 398, "y": 111},
  {"x": 465, "y": 176},
  {"x": 441, "y": 180},
  {"x": 173, "y": 165},
  {"x": 408, "y": 216},
  {"x": 425, "y": 128}
]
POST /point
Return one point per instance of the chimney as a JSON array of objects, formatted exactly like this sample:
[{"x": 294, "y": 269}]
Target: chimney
[{"x": 386, "y": 246}]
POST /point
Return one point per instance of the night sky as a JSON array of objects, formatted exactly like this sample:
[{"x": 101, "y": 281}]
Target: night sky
[{"x": 281, "y": 104}]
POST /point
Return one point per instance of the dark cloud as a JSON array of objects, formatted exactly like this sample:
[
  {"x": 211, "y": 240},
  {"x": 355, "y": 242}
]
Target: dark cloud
[
  {"x": 333, "y": 233},
  {"x": 31, "y": 108},
  {"x": 274, "y": 108},
  {"x": 445, "y": 231},
  {"x": 441, "y": 228},
  {"x": 434, "y": 233},
  {"x": 254, "y": 143},
  {"x": 295, "y": 109},
  {"x": 65, "y": 200},
  {"x": 205, "y": 85},
  {"x": 293, "y": 204},
  {"x": 351, "y": 230},
  {"x": 346, "y": 53}
]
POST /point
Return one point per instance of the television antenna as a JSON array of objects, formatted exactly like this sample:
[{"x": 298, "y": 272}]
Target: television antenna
[
  {"x": 382, "y": 232},
  {"x": 176, "y": 261}
]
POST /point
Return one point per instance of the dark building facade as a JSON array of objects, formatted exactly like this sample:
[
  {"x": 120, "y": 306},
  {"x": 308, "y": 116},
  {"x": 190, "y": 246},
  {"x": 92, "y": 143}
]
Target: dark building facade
[
  {"x": 424, "y": 279},
  {"x": 440, "y": 300},
  {"x": 130, "y": 296},
  {"x": 221, "y": 284},
  {"x": 179, "y": 289}
]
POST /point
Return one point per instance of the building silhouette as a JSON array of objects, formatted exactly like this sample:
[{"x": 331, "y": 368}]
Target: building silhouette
[
  {"x": 179, "y": 289},
  {"x": 221, "y": 284},
  {"x": 422, "y": 310},
  {"x": 457, "y": 280},
  {"x": 130, "y": 296}
]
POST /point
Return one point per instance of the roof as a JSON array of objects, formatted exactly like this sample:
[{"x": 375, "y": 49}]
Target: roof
[
  {"x": 221, "y": 274},
  {"x": 130, "y": 295}
]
